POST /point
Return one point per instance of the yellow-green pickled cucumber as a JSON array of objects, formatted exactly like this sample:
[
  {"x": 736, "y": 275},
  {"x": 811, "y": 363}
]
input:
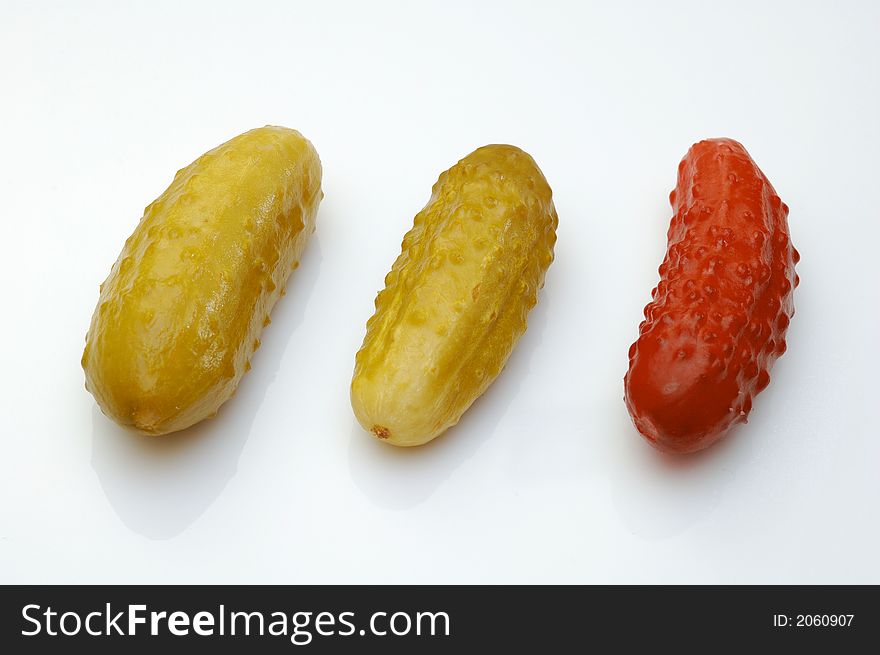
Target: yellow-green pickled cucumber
[
  {"x": 181, "y": 312},
  {"x": 456, "y": 300}
]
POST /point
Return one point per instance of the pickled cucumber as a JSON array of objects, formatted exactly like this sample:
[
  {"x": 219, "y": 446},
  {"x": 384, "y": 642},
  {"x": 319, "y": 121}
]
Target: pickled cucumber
[
  {"x": 456, "y": 300},
  {"x": 180, "y": 314}
]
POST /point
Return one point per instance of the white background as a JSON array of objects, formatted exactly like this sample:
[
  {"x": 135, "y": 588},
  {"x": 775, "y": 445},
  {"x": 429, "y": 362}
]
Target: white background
[{"x": 544, "y": 479}]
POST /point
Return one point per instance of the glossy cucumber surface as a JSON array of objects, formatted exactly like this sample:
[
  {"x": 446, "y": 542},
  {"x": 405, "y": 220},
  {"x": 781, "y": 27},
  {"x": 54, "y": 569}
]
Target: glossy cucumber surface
[
  {"x": 181, "y": 312},
  {"x": 456, "y": 300},
  {"x": 719, "y": 314}
]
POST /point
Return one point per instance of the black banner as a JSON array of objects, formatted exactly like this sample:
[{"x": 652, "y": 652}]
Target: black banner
[{"x": 434, "y": 619}]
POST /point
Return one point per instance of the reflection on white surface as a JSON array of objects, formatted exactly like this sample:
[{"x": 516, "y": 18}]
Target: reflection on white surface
[
  {"x": 160, "y": 485},
  {"x": 659, "y": 496},
  {"x": 402, "y": 478}
]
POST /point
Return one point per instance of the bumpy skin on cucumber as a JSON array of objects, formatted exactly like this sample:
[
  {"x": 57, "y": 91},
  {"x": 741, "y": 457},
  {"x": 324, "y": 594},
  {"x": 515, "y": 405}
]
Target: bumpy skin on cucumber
[
  {"x": 719, "y": 314},
  {"x": 456, "y": 300},
  {"x": 179, "y": 317}
]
